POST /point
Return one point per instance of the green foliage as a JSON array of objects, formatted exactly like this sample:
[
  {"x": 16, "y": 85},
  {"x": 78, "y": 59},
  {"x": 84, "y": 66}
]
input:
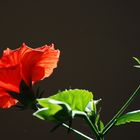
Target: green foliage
[
  {"x": 101, "y": 126},
  {"x": 97, "y": 121},
  {"x": 138, "y": 61},
  {"x": 65, "y": 105},
  {"x": 48, "y": 111},
  {"x": 133, "y": 116},
  {"x": 77, "y": 99}
]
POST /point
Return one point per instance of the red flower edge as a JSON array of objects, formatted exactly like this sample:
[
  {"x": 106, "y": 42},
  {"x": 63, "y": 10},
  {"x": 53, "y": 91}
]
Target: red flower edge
[{"x": 26, "y": 64}]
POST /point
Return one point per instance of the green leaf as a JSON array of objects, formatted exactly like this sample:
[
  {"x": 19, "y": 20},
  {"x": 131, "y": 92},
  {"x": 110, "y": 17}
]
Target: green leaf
[
  {"x": 48, "y": 112},
  {"x": 137, "y": 59},
  {"x": 77, "y": 99},
  {"x": 64, "y": 105},
  {"x": 101, "y": 125},
  {"x": 133, "y": 116}
]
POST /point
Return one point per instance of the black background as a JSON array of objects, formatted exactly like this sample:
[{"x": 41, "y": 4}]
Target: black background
[{"x": 97, "y": 40}]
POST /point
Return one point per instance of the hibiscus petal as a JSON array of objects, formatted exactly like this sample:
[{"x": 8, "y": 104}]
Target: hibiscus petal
[
  {"x": 27, "y": 65},
  {"x": 37, "y": 73},
  {"x": 24, "y": 49},
  {"x": 48, "y": 60},
  {"x": 6, "y": 101},
  {"x": 9, "y": 58},
  {"x": 35, "y": 64},
  {"x": 10, "y": 78}
]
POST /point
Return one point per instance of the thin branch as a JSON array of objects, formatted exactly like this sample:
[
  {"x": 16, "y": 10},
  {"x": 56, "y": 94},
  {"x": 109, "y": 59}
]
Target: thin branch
[
  {"x": 121, "y": 111},
  {"x": 77, "y": 132}
]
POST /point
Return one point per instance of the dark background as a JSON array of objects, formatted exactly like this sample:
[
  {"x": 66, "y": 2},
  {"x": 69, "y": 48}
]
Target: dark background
[{"x": 97, "y": 40}]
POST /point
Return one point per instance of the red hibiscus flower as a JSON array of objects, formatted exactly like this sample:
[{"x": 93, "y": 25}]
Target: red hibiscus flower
[{"x": 25, "y": 64}]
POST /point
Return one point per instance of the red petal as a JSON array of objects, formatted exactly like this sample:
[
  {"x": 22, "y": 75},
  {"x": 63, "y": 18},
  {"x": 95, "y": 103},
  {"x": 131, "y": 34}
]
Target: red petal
[
  {"x": 48, "y": 60},
  {"x": 24, "y": 49},
  {"x": 6, "y": 101},
  {"x": 37, "y": 73},
  {"x": 10, "y": 78},
  {"x": 36, "y": 64},
  {"x": 27, "y": 65},
  {"x": 9, "y": 58}
]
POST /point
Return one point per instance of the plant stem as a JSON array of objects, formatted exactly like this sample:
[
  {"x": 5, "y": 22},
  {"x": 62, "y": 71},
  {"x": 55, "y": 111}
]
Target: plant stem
[
  {"x": 97, "y": 134},
  {"x": 100, "y": 138},
  {"x": 120, "y": 112},
  {"x": 77, "y": 132}
]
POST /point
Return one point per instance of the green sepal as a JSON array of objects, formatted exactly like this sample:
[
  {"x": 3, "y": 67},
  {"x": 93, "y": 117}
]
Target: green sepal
[{"x": 26, "y": 97}]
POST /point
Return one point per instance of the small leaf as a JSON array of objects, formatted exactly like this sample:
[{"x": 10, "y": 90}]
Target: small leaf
[
  {"x": 133, "y": 116},
  {"x": 137, "y": 59},
  {"x": 48, "y": 113},
  {"x": 101, "y": 125},
  {"x": 53, "y": 110}
]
